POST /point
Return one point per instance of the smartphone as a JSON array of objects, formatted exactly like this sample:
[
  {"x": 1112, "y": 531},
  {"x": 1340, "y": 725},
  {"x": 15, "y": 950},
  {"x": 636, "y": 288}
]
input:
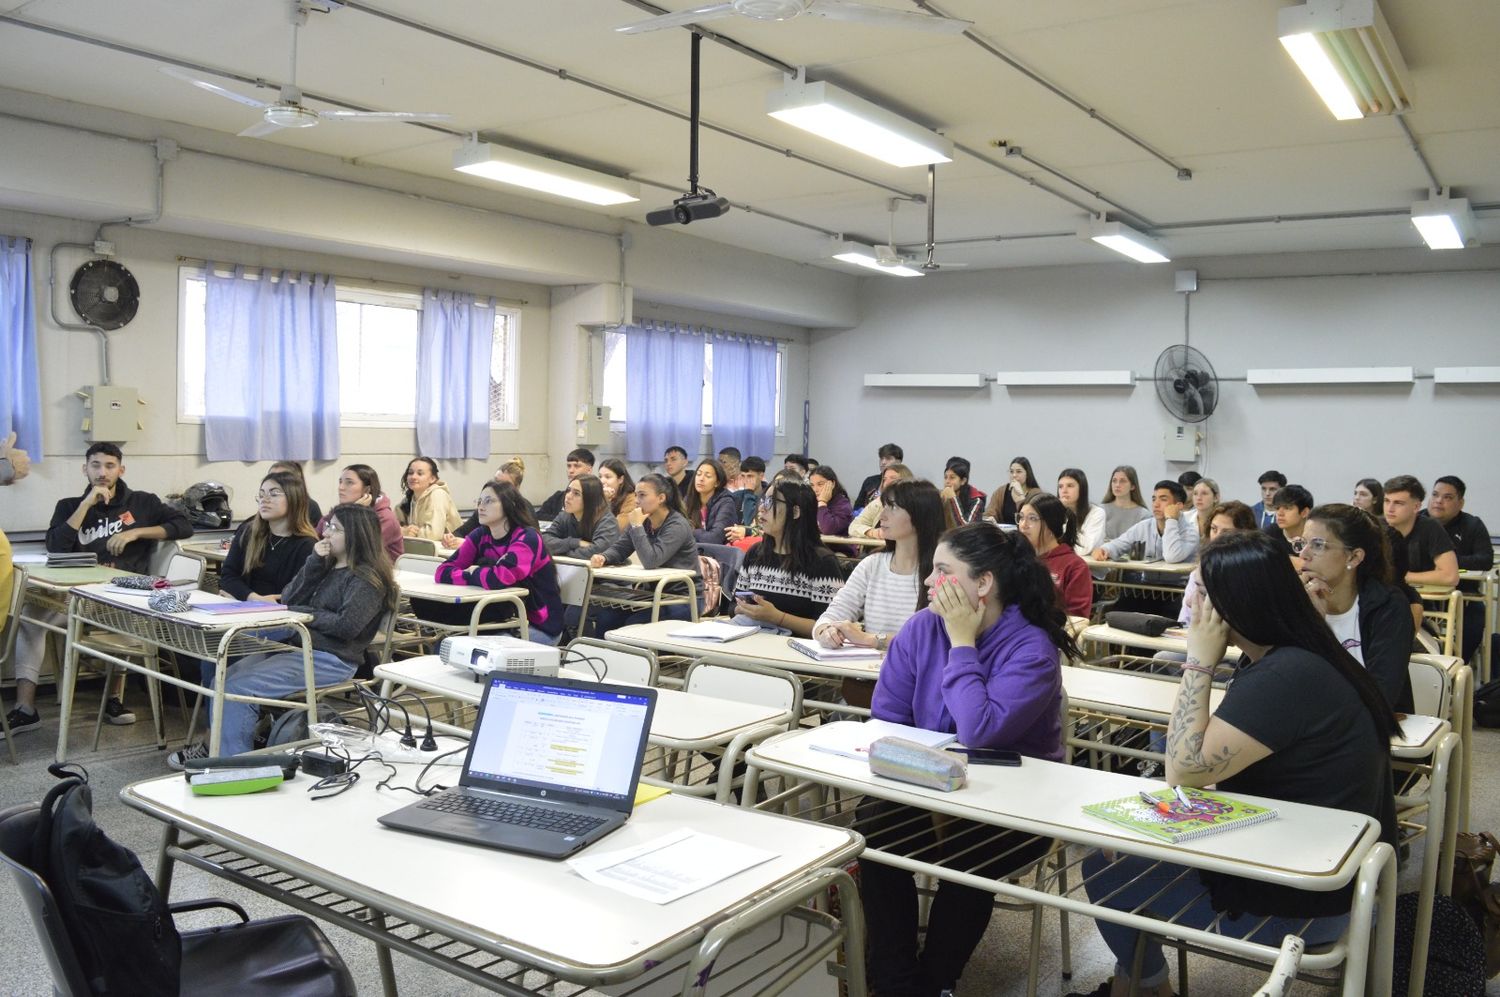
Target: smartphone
[
  {"x": 744, "y": 595},
  {"x": 991, "y": 756}
]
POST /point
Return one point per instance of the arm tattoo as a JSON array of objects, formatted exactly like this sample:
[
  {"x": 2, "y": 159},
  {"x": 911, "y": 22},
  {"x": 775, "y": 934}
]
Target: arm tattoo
[{"x": 1189, "y": 722}]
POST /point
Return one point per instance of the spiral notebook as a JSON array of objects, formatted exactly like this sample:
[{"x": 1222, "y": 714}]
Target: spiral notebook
[{"x": 1207, "y": 813}]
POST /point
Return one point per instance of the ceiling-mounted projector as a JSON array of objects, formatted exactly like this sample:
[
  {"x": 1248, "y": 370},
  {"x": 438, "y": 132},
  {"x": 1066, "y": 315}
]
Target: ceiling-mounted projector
[{"x": 689, "y": 208}]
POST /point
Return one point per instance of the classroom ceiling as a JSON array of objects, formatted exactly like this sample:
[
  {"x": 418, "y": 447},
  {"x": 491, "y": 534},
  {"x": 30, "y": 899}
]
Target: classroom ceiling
[{"x": 1194, "y": 85}]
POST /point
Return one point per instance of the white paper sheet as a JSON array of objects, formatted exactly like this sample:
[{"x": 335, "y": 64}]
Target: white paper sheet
[{"x": 667, "y": 868}]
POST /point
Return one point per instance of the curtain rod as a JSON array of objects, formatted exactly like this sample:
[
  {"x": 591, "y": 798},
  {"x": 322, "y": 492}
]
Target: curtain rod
[
  {"x": 692, "y": 327},
  {"x": 371, "y": 282}
]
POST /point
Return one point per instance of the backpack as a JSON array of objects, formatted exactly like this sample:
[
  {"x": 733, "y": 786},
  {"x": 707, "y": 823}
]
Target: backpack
[
  {"x": 1455, "y": 953},
  {"x": 708, "y": 571},
  {"x": 117, "y": 920}
]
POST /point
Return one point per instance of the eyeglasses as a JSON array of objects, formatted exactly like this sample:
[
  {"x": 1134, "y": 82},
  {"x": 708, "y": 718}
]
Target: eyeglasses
[
  {"x": 274, "y": 493},
  {"x": 1024, "y": 520},
  {"x": 333, "y": 527},
  {"x": 768, "y": 502},
  {"x": 1317, "y": 545},
  {"x": 486, "y": 502}
]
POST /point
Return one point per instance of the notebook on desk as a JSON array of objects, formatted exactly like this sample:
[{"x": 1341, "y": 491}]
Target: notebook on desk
[{"x": 552, "y": 766}]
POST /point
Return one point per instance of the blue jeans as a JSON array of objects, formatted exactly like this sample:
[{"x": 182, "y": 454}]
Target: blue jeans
[
  {"x": 270, "y": 676},
  {"x": 604, "y": 620},
  {"x": 1138, "y": 883}
]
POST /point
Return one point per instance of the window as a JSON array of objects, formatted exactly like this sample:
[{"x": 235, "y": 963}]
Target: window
[
  {"x": 377, "y": 332},
  {"x": 614, "y": 382}
]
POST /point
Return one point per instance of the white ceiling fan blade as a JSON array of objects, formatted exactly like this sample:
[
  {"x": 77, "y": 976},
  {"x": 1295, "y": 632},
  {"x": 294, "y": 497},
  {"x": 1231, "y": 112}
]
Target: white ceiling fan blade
[
  {"x": 260, "y": 129},
  {"x": 705, "y": 12},
  {"x": 863, "y": 13},
  {"x": 384, "y": 116},
  {"x": 203, "y": 84}
]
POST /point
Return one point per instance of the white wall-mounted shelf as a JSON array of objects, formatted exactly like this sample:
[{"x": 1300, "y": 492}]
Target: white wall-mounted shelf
[
  {"x": 924, "y": 380},
  {"x": 1466, "y": 375},
  {"x": 1332, "y": 375},
  {"x": 1066, "y": 378}
]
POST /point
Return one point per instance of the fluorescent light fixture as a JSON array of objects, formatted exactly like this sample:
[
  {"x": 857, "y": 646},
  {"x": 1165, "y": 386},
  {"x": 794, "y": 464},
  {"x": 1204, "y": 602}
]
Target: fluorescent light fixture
[
  {"x": 1348, "y": 54},
  {"x": 836, "y": 114},
  {"x": 522, "y": 169},
  {"x": 1466, "y": 375},
  {"x": 1066, "y": 378},
  {"x": 1123, "y": 239},
  {"x": 1445, "y": 222},
  {"x": 864, "y": 256},
  {"x": 1332, "y": 375},
  {"x": 924, "y": 380}
]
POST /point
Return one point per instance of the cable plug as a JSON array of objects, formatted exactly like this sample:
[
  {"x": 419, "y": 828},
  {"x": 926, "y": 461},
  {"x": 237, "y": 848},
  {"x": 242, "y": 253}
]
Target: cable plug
[{"x": 429, "y": 743}]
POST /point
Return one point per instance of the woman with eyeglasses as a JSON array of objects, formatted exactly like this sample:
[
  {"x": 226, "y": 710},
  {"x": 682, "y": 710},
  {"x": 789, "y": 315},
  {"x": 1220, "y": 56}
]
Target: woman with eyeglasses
[
  {"x": 1346, "y": 569},
  {"x": 314, "y": 511},
  {"x": 709, "y": 508},
  {"x": 981, "y": 661},
  {"x": 790, "y": 575},
  {"x": 1006, "y": 500},
  {"x": 962, "y": 502},
  {"x": 660, "y": 536},
  {"x": 1047, "y": 526},
  {"x": 270, "y": 547},
  {"x": 505, "y": 552},
  {"x": 1073, "y": 493},
  {"x": 585, "y": 523}
]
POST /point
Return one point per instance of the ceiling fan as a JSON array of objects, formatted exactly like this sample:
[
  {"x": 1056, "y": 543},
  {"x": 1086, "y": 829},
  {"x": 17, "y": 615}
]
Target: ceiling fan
[
  {"x": 889, "y": 256},
  {"x": 287, "y": 110},
  {"x": 785, "y": 10}
]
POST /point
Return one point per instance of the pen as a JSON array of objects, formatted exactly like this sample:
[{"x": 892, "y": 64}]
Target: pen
[
  {"x": 1182, "y": 797},
  {"x": 1161, "y": 806}
]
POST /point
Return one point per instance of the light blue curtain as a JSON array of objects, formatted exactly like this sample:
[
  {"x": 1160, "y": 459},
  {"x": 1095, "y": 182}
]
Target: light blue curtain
[
  {"x": 272, "y": 367},
  {"x": 453, "y": 375},
  {"x": 745, "y": 394},
  {"x": 20, "y": 387},
  {"x": 664, "y": 404}
]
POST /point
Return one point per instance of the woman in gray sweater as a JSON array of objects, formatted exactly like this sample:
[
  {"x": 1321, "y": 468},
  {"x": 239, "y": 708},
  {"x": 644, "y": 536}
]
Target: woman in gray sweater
[
  {"x": 661, "y": 537},
  {"x": 585, "y": 526}
]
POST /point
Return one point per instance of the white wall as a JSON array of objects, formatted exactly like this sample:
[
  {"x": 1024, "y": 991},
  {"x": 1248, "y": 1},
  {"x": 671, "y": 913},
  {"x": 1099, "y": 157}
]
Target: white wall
[{"x": 1249, "y": 312}]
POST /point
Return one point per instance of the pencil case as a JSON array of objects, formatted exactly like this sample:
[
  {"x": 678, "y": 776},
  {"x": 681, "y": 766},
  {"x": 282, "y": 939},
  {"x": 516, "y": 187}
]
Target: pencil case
[{"x": 908, "y": 761}]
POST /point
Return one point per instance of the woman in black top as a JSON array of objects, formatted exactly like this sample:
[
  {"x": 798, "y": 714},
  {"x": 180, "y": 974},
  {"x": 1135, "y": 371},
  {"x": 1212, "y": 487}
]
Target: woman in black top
[
  {"x": 792, "y": 576},
  {"x": 708, "y": 506},
  {"x": 314, "y": 511},
  {"x": 962, "y": 502},
  {"x": 1301, "y": 721},
  {"x": 271, "y": 546},
  {"x": 1006, "y": 500}
]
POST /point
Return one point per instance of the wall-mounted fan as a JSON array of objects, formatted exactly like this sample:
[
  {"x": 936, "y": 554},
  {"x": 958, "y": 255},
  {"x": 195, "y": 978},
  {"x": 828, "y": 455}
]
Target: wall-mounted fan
[
  {"x": 1186, "y": 383},
  {"x": 104, "y": 294},
  {"x": 785, "y": 10}
]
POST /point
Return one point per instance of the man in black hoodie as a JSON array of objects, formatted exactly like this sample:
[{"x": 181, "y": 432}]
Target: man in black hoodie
[{"x": 120, "y": 526}]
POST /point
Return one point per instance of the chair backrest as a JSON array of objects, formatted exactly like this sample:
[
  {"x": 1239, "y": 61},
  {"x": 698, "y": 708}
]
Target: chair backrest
[
  {"x": 419, "y": 546},
  {"x": 1432, "y": 684},
  {"x": 12, "y": 610},
  {"x": 426, "y": 564},
  {"x": 575, "y": 583},
  {"x": 746, "y": 683},
  {"x": 618, "y": 663},
  {"x": 1441, "y": 613},
  {"x": 184, "y": 567},
  {"x": 17, "y": 830}
]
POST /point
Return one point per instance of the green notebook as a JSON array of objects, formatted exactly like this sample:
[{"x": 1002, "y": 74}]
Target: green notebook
[{"x": 1210, "y": 813}]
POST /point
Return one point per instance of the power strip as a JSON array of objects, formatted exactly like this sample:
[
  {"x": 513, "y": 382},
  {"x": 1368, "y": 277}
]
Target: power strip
[{"x": 392, "y": 750}]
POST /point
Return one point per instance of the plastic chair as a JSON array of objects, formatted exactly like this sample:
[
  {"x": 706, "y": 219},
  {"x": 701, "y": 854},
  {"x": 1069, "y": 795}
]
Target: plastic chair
[
  {"x": 575, "y": 583},
  {"x": 1431, "y": 687},
  {"x": 615, "y": 662},
  {"x": 419, "y": 546},
  {"x": 8, "y": 649},
  {"x": 746, "y": 683},
  {"x": 272, "y": 956}
]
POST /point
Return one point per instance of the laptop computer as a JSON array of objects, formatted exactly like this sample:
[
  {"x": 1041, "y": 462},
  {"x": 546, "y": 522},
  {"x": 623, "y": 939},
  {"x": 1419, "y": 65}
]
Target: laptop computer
[{"x": 552, "y": 766}]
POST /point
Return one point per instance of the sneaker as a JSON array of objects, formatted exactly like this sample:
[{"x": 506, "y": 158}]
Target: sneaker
[
  {"x": 116, "y": 713},
  {"x": 1148, "y": 769},
  {"x": 179, "y": 759},
  {"x": 21, "y": 721}
]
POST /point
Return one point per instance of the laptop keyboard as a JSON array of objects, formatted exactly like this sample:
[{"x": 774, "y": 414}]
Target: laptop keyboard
[{"x": 518, "y": 814}]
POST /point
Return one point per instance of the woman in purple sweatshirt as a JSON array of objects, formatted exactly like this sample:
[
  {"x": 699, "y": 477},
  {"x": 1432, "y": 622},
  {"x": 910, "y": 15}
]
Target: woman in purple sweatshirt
[{"x": 981, "y": 661}]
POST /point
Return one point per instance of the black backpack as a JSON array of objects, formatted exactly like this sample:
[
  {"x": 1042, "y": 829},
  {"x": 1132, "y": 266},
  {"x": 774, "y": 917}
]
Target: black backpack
[
  {"x": 1455, "y": 950},
  {"x": 117, "y": 920}
]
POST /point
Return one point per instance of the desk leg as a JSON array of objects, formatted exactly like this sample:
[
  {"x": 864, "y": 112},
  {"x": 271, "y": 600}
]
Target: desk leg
[
  {"x": 383, "y": 957},
  {"x": 165, "y": 864},
  {"x": 216, "y": 710},
  {"x": 69, "y": 680}
]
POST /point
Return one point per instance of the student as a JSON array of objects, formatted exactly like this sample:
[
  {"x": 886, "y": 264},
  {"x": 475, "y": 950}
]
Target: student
[
  {"x": 1221, "y": 519},
  {"x": 580, "y": 461},
  {"x": 360, "y": 485},
  {"x": 792, "y": 576},
  {"x": 869, "y": 489},
  {"x": 674, "y": 462},
  {"x": 1205, "y": 495},
  {"x": 427, "y": 511},
  {"x": 1125, "y": 507},
  {"x": 511, "y": 472},
  {"x": 835, "y": 512},
  {"x": 1073, "y": 493},
  {"x": 1301, "y": 722},
  {"x": 1007, "y": 499},
  {"x": 799, "y": 465},
  {"x": 120, "y": 526},
  {"x": 1290, "y": 505},
  {"x": 314, "y": 511},
  {"x": 1270, "y": 482},
  {"x": 1165, "y": 533},
  {"x": 619, "y": 489},
  {"x": 1047, "y": 526},
  {"x": 660, "y": 536},
  {"x": 1187, "y": 479},
  {"x": 270, "y": 547},
  {"x": 15, "y": 463},
  {"x": 752, "y": 488},
  {"x": 867, "y": 523},
  {"x": 584, "y": 524},
  {"x": 1431, "y": 559},
  {"x": 710, "y": 509},
  {"x": 7, "y": 578},
  {"x": 962, "y": 502},
  {"x": 1471, "y": 543},
  {"x": 729, "y": 460},
  {"x": 1369, "y": 496},
  {"x": 346, "y": 585},
  {"x": 506, "y": 553},
  {"x": 1346, "y": 569},
  {"x": 981, "y": 661}
]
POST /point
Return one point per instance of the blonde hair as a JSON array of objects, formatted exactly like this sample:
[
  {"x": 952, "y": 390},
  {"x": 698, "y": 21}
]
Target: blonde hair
[{"x": 515, "y": 469}]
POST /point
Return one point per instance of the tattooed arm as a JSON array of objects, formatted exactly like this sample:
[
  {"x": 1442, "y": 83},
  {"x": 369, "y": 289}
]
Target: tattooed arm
[{"x": 1201, "y": 749}]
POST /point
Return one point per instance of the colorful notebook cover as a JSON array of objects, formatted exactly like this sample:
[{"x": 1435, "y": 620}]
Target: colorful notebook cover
[{"x": 1210, "y": 813}]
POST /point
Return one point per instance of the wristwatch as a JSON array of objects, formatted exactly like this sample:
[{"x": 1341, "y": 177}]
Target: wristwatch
[{"x": 881, "y": 640}]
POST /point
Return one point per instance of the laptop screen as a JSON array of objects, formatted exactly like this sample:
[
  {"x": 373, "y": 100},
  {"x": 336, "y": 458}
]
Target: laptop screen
[{"x": 579, "y": 738}]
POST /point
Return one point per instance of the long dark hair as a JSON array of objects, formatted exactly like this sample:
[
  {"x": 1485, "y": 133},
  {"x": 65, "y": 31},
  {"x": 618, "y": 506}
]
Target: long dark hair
[
  {"x": 830, "y": 475},
  {"x": 1077, "y": 475},
  {"x": 258, "y": 532},
  {"x": 1135, "y": 485},
  {"x": 960, "y": 468},
  {"x": 368, "y": 477},
  {"x": 924, "y": 504},
  {"x": 1030, "y": 474},
  {"x": 626, "y": 486},
  {"x": 1054, "y": 515},
  {"x": 1021, "y": 579},
  {"x": 1357, "y": 529},
  {"x": 693, "y": 507},
  {"x": 364, "y": 550},
  {"x": 663, "y": 486},
  {"x": 516, "y": 509},
  {"x": 1377, "y": 493},
  {"x": 594, "y": 506},
  {"x": 804, "y": 546},
  {"x": 411, "y": 500},
  {"x": 1254, "y": 587}
]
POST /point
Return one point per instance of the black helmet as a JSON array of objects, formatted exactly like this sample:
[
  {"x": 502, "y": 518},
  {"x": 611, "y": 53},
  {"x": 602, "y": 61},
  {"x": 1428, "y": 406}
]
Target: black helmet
[{"x": 207, "y": 505}]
